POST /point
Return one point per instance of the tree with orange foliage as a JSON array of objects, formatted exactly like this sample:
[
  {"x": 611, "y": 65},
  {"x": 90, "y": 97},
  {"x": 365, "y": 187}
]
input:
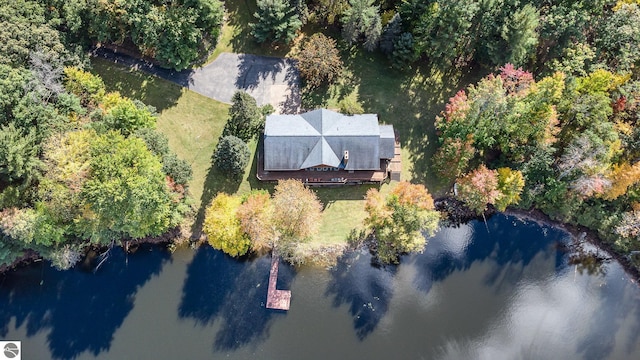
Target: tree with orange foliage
[
  {"x": 397, "y": 221},
  {"x": 255, "y": 215},
  {"x": 479, "y": 188}
]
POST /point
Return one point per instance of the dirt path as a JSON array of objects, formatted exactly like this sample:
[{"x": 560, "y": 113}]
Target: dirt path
[{"x": 269, "y": 80}]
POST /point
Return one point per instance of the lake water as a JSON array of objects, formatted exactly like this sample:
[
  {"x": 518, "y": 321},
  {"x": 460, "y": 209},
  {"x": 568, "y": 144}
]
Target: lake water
[{"x": 505, "y": 291}]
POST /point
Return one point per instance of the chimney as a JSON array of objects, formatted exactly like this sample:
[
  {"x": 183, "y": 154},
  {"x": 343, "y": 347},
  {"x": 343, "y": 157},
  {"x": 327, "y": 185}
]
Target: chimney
[{"x": 346, "y": 157}]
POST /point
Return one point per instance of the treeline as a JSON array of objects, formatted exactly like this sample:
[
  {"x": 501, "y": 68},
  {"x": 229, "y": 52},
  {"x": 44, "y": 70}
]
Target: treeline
[
  {"x": 175, "y": 33},
  {"x": 78, "y": 166},
  {"x": 571, "y": 143},
  {"x": 455, "y": 33}
]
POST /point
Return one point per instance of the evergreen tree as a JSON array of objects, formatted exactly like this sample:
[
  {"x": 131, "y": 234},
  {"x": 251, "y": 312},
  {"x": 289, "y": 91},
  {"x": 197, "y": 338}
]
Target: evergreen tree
[
  {"x": 277, "y": 21},
  {"x": 232, "y": 155},
  {"x": 619, "y": 36},
  {"x": 18, "y": 154},
  {"x": 403, "y": 53},
  {"x": 390, "y": 33},
  {"x": 519, "y": 34},
  {"x": 362, "y": 20},
  {"x": 245, "y": 118}
]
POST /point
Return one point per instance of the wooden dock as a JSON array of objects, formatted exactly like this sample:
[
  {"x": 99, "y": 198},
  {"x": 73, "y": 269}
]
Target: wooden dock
[{"x": 276, "y": 299}]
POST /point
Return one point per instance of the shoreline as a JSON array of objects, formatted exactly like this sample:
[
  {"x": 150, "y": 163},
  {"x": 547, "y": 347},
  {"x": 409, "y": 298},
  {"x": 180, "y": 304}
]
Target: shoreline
[
  {"x": 170, "y": 238},
  {"x": 578, "y": 233},
  {"x": 455, "y": 211}
]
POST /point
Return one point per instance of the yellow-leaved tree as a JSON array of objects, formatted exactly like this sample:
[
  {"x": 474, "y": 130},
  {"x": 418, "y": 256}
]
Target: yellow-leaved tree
[
  {"x": 622, "y": 176},
  {"x": 399, "y": 220},
  {"x": 222, "y": 226}
]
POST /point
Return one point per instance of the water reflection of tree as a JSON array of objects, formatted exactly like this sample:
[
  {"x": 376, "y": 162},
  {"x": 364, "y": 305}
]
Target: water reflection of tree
[
  {"x": 81, "y": 310},
  {"x": 592, "y": 263},
  {"x": 504, "y": 240},
  {"x": 366, "y": 289},
  {"x": 218, "y": 287}
]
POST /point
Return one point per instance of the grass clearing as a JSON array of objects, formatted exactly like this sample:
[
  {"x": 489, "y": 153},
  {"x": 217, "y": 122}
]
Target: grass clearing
[{"x": 409, "y": 100}]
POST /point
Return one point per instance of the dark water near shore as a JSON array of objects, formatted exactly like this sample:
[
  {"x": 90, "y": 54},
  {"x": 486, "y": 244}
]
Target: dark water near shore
[{"x": 504, "y": 294}]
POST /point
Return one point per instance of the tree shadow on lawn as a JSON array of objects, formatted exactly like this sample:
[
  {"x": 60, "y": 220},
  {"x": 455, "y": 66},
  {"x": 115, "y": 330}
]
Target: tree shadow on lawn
[
  {"x": 216, "y": 182},
  {"x": 136, "y": 84},
  {"x": 410, "y": 100},
  {"x": 330, "y": 195}
]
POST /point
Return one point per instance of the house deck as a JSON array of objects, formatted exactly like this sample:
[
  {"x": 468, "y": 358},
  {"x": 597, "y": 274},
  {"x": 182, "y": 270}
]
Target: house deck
[{"x": 388, "y": 169}]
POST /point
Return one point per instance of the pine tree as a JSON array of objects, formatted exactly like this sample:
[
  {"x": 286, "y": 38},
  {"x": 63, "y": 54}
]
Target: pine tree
[
  {"x": 277, "y": 21},
  {"x": 362, "y": 20},
  {"x": 390, "y": 33},
  {"x": 245, "y": 118},
  {"x": 232, "y": 155}
]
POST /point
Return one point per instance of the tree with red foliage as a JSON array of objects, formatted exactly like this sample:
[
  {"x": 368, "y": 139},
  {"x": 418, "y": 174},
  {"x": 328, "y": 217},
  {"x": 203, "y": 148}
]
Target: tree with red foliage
[{"x": 479, "y": 188}]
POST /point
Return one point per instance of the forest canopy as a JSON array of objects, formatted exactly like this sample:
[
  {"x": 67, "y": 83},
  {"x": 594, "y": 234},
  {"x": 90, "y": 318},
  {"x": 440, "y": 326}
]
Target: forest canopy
[{"x": 77, "y": 164}]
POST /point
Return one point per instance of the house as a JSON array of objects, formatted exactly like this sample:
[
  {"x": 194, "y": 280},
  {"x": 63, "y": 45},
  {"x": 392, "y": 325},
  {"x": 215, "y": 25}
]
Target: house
[{"x": 323, "y": 147}]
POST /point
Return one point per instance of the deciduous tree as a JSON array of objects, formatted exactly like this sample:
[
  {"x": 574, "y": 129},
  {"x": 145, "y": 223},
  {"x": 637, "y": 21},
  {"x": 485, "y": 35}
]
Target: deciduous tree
[
  {"x": 399, "y": 220},
  {"x": 88, "y": 87},
  {"x": 319, "y": 60},
  {"x": 622, "y": 177},
  {"x": 452, "y": 158},
  {"x": 256, "y": 220},
  {"x": 510, "y": 185},
  {"x": 222, "y": 227},
  {"x": 629, "y": 231},
  {"x": 297, "y": 211},
  {"x": 126, "y": 193},
  {"x": 479, "y": 188},
  {"x": 125, "y": 115}
]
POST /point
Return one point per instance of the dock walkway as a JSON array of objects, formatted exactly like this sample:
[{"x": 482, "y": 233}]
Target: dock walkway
[{"x": 276, "y": 299}]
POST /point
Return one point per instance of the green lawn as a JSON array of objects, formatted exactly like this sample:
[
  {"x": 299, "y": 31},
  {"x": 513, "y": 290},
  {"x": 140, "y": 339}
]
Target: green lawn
[{"x": 409, "y": 100}]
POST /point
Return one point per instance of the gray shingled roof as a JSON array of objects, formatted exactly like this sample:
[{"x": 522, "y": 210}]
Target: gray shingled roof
[{"x": 321, "y": 137}]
